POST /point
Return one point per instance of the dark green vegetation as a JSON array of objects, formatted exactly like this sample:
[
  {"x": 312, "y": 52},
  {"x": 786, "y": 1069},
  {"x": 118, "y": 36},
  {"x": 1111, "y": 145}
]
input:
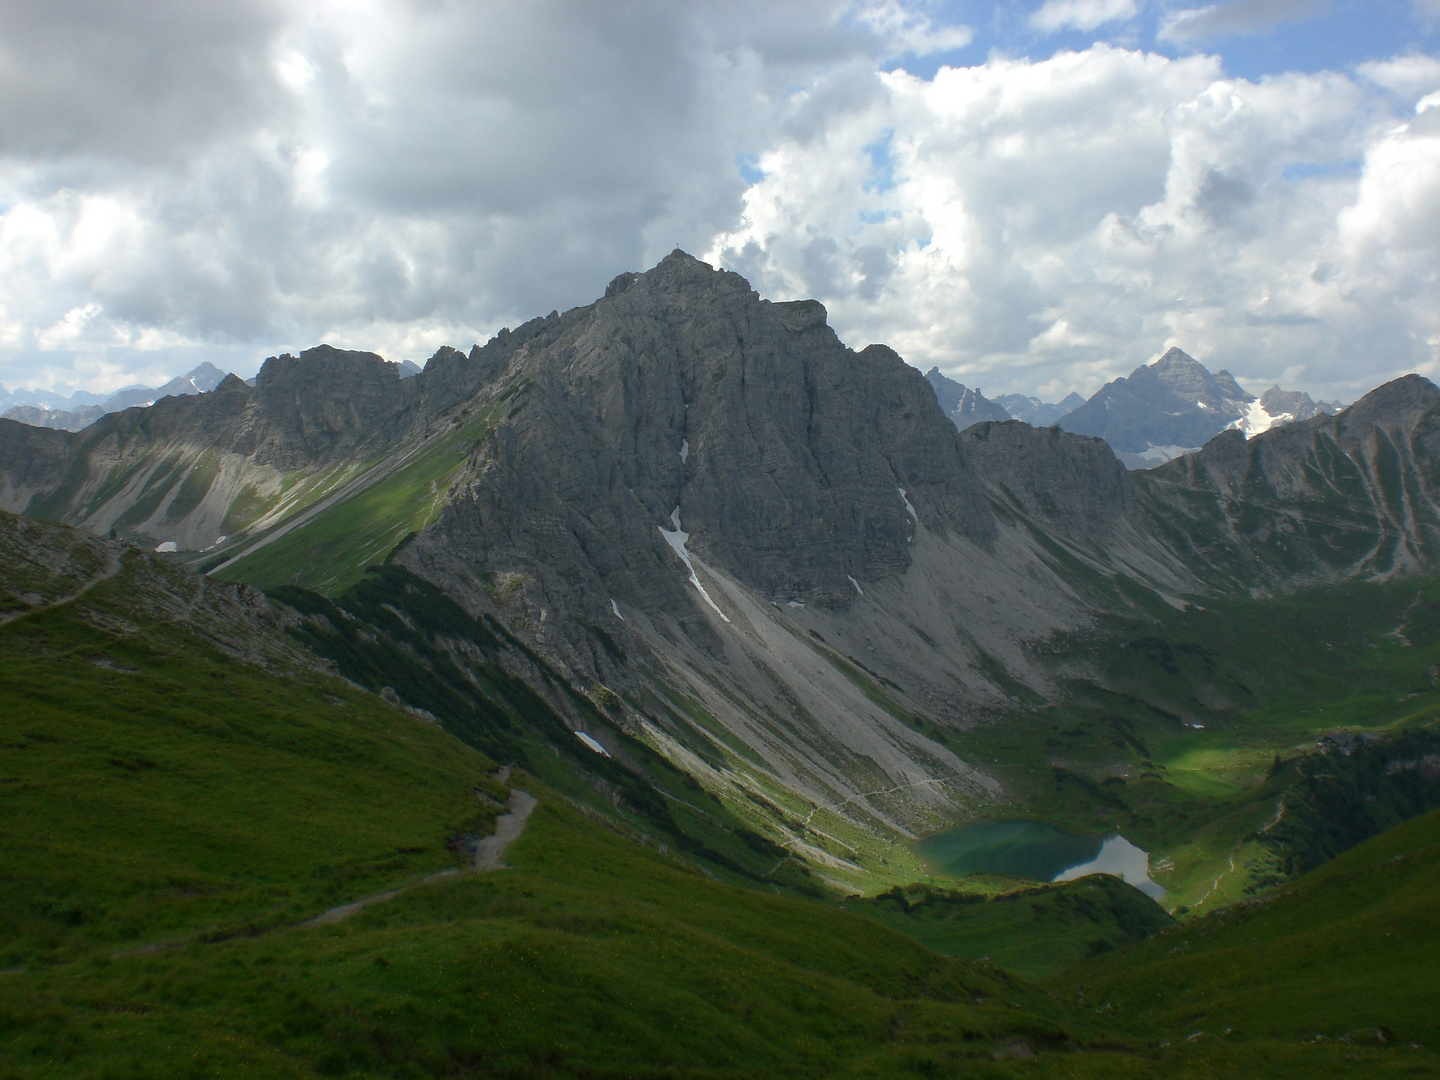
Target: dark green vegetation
[
  {"x": 1188, "y": 732},
  {"x": 182, "y": 788},
  {"x": 159, "y": 789},
  {"x": 393, "y": 629},
  {"x": 1346, "y": 952},
  {"x": 1034, "y": 931}
]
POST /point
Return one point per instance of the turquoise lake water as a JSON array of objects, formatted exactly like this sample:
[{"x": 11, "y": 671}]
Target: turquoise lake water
[
  {"x": 1041, "y": 852},
  {"x": 1013, "y": 848}
]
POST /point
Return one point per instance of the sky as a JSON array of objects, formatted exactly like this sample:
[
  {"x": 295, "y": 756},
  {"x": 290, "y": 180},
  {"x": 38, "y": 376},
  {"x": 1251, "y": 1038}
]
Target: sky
[{"x": 1035, "y": 196}]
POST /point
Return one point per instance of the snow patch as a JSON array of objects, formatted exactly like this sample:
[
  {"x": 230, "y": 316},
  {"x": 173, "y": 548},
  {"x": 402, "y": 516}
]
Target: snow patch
[
  {"x": 856, "y": 584},
  {"x": 1256, "y": 419},
  {"x": 684, "y": 451},
  {"x": 677, "y": 541},
  {"x": 616, "y": 608},
  {"x": 908, "y": 508},
  {"x": 167, "y": 547},
  {"x": 591, "y": 743},
  {"x": 796, "y": 603}
]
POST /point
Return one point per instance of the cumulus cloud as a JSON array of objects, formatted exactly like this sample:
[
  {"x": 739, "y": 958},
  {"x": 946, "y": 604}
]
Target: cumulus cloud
[
  {"x": 1050, "y": 225},
  {"x": 382, "y": 173},
  {"x": 905, "y": 30},
  {"x": 227, "y": 181},
  {"x": 1081, "y": 14},
  {"x": 1234, "y": 17}
]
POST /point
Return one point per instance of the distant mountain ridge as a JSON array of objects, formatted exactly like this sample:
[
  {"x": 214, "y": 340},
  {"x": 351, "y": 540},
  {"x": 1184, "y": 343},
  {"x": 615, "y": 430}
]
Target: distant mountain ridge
[
  {"x": 963, "y": 405},
  {"x": 199, "y": 380},
  {"x": 1176, "y": 405},
  {"x": 1039, "y": 413}
]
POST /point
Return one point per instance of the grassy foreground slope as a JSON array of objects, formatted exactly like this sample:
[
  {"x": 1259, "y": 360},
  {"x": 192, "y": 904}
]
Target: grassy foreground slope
[
  {"x": 173, "y": 768},
  {"x": 1350, "y": 950},
  {"x": 182, "y": 787}
]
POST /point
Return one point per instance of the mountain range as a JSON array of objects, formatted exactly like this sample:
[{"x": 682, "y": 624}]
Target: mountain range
[
  {"x": 748, "y": 614},
  {"x": 1169, "y": 407},
  {"x": 1175, "y": 405},
  {"x": 685, "y": 492},
  {"x": 84, "y": 408},
  {"x": 82, "y": 413}
]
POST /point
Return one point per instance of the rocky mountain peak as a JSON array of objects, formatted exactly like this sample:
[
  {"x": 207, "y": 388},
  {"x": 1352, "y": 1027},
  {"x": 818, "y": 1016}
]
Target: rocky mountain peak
[
  {"x": 682, "y": 394},
  {"x": 1162, "y": 409}
]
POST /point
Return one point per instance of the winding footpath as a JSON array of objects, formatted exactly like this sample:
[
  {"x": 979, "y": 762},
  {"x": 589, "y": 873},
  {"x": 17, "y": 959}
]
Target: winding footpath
[
  {"x": 112, "y": 568},
  {"x": 488, "y": 851}
]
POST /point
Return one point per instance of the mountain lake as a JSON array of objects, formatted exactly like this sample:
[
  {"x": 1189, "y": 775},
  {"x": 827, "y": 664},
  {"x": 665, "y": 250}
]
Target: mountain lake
[{"x": 1026, "y": 849}]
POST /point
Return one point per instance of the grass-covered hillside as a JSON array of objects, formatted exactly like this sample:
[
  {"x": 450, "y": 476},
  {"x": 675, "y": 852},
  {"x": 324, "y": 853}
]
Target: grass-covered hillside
[
  {"x": 184, "y": 786},
  {"x": 175, "y": 770},
  {"x": 1196, "y": 734},
  {"x": 1344, "y": 956}
]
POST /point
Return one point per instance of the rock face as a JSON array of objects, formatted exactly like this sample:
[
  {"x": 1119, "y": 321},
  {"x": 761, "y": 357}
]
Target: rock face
[
  {"x": 963, "y": 405},
  {"x": 1164, "y": 408},
  {"x": 684, "y": 400},
  {"x": 1354, "y": 494},
  {"x": 1072, "y": 484}
]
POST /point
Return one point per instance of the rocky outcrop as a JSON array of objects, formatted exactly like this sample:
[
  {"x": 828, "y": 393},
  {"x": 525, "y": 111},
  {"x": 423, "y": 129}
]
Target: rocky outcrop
[
  {"x": 1354, "y": 494},
  {"x": 684, "y": 401},
  {"x": 1073, "y": 485},
  {"x": 33, "y": 460}
]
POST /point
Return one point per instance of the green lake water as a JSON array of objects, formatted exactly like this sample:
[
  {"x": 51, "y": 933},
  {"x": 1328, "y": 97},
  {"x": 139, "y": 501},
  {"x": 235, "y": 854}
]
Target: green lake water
[{"x": 1013, "y": 848}]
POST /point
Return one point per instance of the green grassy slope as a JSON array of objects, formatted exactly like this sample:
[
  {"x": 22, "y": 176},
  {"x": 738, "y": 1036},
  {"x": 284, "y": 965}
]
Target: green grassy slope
[
  {"x": 1032, "y": 931},
  {"x": 174, "y": 775},
  {"x": 1347, "y": 950},
  {"x": 394, "y": 629},
  {"x": 329, "y": 552},
  {"x": 155, "y": 788},
  {"x": 593, "y": 956},
  {"x": 1119, "y": 750}
]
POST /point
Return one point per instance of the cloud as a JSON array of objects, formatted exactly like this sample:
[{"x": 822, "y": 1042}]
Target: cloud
[
  {"x": 1057, "y": 223},
  {"x": 907, "y": 31},
  {"x": 396, "y": 175},
  {"x": 404, "y": 174},
  {"x": 1410, "y": 76},
  {"x": 1081, "y": 14},
  {"x": 1234, "y": 17}
]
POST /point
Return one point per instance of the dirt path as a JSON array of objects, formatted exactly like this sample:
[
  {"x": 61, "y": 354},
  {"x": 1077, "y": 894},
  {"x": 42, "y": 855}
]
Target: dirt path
[
  {"x": 111, "y": 570},
  {"x": 508, "y": 826}
]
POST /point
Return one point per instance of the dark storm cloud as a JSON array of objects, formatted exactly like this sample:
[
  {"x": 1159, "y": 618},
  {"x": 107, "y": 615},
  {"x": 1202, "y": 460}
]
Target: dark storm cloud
[{"x": 131, "y": 79}]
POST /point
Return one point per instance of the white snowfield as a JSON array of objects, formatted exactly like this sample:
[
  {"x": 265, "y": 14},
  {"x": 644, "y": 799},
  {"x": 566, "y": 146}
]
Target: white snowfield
[
  {"x": 677, "y": 541},
  {"x": 591, "y": 743},
  {"x": 1256, "y": 419}
]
